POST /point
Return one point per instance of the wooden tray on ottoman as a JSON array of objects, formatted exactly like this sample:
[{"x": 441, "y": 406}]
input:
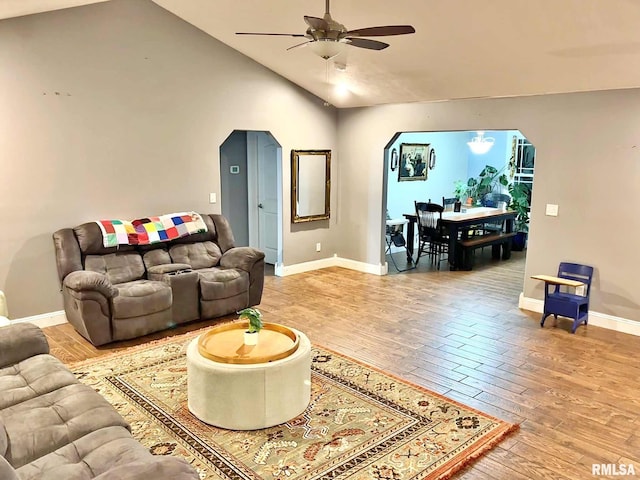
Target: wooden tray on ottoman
[{"x": 225, "y": 344}]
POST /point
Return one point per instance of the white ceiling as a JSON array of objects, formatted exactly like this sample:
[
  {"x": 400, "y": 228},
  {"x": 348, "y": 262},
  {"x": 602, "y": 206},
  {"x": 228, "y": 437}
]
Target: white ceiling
[{"x": 461, "y": 48}]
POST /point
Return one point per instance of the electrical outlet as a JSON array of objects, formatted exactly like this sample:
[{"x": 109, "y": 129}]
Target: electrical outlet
[
  {"x": 318, "y": 247},
  {"x": 552, "y": 210}
]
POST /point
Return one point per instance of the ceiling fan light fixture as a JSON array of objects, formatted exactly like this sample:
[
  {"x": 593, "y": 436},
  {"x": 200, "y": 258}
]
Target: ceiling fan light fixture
[
  {"x": 480, "y": 144},
  {"x": 327, "y": 48}
]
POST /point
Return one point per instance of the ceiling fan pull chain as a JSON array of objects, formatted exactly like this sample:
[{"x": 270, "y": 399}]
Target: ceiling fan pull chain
[{"x": 327, "y": 102}]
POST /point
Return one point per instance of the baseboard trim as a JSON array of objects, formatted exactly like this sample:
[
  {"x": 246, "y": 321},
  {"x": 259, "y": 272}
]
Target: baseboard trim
[
  {"x": 361, "y": 266},
  {"x": 597, "y": 319},
  {"x": 335, "y": 261},
  {"x": 286, "y": 270},
  {"x": 44, "y": 319}
]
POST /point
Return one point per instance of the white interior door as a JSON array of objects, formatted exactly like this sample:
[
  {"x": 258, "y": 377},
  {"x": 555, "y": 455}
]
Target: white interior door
[
  {"x": 262, "y": 154},
  {"x": 268, "y": 197}
]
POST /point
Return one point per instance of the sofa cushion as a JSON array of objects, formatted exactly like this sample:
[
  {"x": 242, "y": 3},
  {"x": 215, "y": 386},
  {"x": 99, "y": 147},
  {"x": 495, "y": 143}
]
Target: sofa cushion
[
  {"x": 7, "y": 472},
  {"x": 209, "y": 235},
  {"x": 141, "y": 297},
  {"x": 157, "y": 467},
  {"x": 218, "y": 283},
  {"x": 91, "y": 242},
  {"x": 45, "y": 423},
  {"x": 109, "y": 453},
  {"x": 85, "y": 457},
  {"x": 157, "y": 256},
  {"x": 32, "y": 377},
  {"x": 118, "y": 267},
  {"x": 198, "y": 255}
]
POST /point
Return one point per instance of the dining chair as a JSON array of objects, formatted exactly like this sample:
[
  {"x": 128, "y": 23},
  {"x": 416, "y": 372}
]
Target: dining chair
[
  {"x": 496, "y": 200},
  {"x": 449, "y": 204},
  {"x": 432, "y": 238},
  {"x": 558, "y": 300}
]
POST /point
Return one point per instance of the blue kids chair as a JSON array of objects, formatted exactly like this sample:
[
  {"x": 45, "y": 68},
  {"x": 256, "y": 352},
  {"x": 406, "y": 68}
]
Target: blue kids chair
[{"x": 568, "y": 304}]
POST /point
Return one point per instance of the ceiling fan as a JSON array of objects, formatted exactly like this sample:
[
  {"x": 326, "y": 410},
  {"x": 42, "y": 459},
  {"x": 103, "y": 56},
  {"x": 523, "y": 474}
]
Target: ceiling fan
[{"x": 327, "y": 37}]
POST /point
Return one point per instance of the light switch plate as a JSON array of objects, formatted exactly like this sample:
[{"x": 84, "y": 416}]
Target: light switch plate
[
  {"x": 212, "y": 198},
  {"x": 552, "y": 210}
]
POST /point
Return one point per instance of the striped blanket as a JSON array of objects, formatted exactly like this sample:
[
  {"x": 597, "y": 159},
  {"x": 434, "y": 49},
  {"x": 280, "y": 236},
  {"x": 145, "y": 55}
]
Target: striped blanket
[{"x": 144, "y": 231}]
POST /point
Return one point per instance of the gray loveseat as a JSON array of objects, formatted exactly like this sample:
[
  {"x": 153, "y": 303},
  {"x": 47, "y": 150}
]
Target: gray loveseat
[
  {"x": 54, "y": 428},
  {"x": 118, "y": 293}
]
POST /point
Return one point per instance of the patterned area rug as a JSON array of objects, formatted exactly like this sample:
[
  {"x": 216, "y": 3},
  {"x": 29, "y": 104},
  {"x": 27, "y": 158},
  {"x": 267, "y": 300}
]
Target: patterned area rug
[{"x": 361, "y": 423}]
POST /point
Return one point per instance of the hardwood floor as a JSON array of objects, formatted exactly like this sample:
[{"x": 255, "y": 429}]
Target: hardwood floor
[{"x": 461, "y": 334}]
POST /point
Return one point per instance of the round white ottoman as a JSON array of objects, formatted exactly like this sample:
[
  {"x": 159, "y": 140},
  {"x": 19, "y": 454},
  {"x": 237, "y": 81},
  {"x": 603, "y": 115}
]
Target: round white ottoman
[{"x": 249, "y": 397}]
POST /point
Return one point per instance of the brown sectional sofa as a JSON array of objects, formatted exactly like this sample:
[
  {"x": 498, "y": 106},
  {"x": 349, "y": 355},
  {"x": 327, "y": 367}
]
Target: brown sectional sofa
[
  {"x": 54, "y": 428},
  {"x": 118, "y": 293}
]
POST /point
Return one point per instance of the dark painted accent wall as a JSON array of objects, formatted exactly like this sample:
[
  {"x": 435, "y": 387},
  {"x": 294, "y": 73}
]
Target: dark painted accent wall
[{"x": 233, "y": 187}]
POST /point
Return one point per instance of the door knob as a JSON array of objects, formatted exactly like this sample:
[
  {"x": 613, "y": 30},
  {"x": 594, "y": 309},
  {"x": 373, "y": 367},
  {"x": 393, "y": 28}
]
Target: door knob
[{"x": 260, "y": 205}]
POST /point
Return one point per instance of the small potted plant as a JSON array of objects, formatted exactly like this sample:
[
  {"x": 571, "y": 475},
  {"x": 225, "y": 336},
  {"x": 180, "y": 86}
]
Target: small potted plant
[
  {"x": 254, "y": 317},
  {"x": 460, "y": 192}
]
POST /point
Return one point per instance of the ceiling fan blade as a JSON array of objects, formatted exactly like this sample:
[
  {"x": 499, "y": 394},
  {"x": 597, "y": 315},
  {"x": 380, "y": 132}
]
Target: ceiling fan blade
[
  {"x": 317, "y": 23},
  {"x": 366, "y": 43},
  {"x": 273, "y": 34},
  {"x": 299, "y": 45},
  {"x": 381, "y": 31}
]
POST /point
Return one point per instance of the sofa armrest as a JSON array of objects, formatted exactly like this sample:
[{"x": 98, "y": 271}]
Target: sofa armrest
[
  {"x": 158, "y": 468},
  {"x": 21, "y": 341},
  {"x": 243, "y": 258},
  {"x": 83, "y": 280}
]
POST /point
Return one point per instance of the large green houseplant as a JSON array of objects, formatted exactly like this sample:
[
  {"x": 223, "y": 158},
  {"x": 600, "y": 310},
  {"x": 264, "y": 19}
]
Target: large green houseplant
[
  {"x": 487, "y": 180},
  {"x": 520, "y": 204},
  {"x": 460, "y": 190}
]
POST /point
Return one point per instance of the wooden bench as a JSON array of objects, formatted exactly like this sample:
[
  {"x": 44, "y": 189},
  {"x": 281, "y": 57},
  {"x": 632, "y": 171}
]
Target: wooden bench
[{"x": 495, "y": 240}]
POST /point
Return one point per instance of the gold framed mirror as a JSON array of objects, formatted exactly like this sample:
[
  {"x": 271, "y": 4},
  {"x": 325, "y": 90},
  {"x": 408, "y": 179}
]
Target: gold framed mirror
[{"x": 310, "y": 185}]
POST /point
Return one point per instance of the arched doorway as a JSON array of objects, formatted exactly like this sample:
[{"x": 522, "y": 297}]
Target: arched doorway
[
  {"x": 451, "y": 161},
  {"x": 251, "y": 190}
]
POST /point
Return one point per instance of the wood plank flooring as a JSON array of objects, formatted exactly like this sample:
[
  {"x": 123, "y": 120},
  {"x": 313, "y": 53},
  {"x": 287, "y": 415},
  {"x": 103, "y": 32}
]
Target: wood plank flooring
[{"x": 461, "y": 334}]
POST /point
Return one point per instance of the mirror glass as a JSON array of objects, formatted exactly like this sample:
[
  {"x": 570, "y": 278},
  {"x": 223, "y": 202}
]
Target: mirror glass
[{"x": 310, "y": 185}]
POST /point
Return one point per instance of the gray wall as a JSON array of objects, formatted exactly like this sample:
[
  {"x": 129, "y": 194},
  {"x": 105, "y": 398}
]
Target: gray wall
[
  {"x": 587, "y": 162},
  {"x": 118, "y": 110},
  {"x": 234, "y": 194}
]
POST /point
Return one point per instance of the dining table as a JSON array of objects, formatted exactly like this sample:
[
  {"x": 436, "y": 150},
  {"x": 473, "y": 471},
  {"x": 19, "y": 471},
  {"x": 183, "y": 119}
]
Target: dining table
[{"x": 458, "y": 225}]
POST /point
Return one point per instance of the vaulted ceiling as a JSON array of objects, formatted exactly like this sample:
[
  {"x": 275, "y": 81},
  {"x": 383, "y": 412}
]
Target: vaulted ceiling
[{"x": 461, "y": 48}]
